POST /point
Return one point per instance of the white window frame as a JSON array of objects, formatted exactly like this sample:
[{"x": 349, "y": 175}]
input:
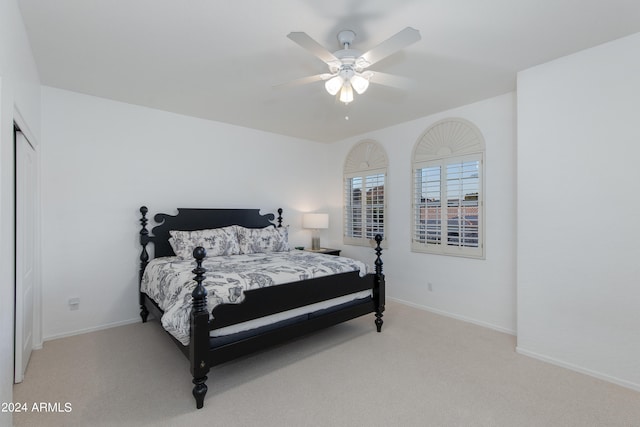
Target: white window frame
[
  {"x": 438, "y": 230},
  {"x": 367, "y": 161}
]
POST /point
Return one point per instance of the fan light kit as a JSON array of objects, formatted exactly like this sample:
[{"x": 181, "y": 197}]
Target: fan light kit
[
  {"x": 347, "y": 67},
  {"x": 348, "y": 75}
]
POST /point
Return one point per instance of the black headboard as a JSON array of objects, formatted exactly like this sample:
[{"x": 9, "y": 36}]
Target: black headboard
[{"x": 200, "y": 219}]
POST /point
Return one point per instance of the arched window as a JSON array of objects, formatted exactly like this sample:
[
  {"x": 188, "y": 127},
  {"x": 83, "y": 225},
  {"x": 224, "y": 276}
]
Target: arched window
[
  {"x": 365, "y": 175},
  {"x": 448, "y": 190}
]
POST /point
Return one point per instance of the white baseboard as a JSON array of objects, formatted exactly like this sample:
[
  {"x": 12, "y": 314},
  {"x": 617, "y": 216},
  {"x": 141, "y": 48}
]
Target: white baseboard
[
  {"x": 93, "y": 329},
  {"x": 576, "y": 368},
  {"x": 455, "y": 316}
]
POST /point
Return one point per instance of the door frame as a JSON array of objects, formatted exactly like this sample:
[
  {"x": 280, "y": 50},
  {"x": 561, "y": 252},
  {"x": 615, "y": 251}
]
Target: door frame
[{"x": 21, "y": 125}]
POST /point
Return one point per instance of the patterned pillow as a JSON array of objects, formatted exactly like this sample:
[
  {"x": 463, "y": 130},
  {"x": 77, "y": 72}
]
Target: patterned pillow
[
  {"x": 216, "y": 241},
  {"x": 268, "y": 239}
]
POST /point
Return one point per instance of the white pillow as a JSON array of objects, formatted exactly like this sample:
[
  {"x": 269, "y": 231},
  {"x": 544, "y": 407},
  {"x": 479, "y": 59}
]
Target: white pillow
[
  {"x": 268, "y": 239},
  {"x": 216, "y": 241}
]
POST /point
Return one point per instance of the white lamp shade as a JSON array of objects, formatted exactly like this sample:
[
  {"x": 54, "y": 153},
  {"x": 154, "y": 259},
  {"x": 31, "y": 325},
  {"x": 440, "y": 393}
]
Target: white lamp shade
[
  {"x": 359, "y": 83},
  {"x": 346, "y": 94},
  {"x": 315, "y": 220},
  {"x": 333, "y": 85}
]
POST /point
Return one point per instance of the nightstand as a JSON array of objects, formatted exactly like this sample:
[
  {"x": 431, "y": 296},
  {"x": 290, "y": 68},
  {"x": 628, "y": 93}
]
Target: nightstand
[{"x": 326, "y": 251}]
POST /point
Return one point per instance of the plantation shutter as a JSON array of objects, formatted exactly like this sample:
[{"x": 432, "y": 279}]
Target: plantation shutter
[
  {"x": 463, "y": 189},
  {"x": 374, "y": 205},
  {"x": 427, "y": 205},
  {"x": 453, "y": 228},
  {"x": 353, "y": 207}
]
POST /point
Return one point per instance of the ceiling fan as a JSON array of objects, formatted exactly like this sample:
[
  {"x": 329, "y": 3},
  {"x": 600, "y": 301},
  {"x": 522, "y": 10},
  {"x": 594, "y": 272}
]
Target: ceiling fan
[{"x": 348, "y": 67}]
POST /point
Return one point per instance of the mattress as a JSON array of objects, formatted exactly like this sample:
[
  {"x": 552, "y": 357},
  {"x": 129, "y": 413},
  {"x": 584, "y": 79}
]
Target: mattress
[{"x": 289, "y": 314}]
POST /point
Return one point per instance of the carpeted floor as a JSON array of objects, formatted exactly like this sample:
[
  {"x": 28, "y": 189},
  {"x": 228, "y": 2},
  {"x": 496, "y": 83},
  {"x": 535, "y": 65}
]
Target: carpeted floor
[{"x": 422, "y": 370}]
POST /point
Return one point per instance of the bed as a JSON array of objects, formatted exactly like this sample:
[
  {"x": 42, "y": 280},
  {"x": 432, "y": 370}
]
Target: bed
[{"x": 234, "y": 304}]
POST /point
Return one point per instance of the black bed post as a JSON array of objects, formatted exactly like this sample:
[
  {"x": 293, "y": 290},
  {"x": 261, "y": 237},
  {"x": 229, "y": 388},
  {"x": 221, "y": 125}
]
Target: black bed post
[
  {"x": 199, "y": 344},
  {"x": 144, "y": 259},
  {"x": 279, "y": 217},
  {"x": 378, "y": 289}
]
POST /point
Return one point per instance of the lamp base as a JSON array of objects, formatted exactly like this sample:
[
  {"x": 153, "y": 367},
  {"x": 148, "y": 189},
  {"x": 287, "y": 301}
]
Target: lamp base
[{"x": 315, "y": 243}]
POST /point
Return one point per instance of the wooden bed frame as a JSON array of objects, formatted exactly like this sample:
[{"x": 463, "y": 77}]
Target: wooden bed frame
[{"x": 202, "y": 350}]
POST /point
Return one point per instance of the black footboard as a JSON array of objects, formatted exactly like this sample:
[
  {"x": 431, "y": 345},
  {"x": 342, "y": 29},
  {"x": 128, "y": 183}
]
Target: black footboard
[{"x": 266, "y": 301}]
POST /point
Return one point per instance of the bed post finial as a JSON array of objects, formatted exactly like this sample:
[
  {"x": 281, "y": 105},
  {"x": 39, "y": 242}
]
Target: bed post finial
[
  {"x": 378, "y": 250},
  {"x": 199, "y": 294},
  {"x": 144, "y": 259},
  {"x": 379, "y": 288},
  {"x": 279, "y": 217},
  {"x": 199, "y": 344}
]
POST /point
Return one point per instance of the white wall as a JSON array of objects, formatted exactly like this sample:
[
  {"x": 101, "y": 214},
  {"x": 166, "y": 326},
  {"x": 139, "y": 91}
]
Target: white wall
[
  {"x": 102, "y": 160},
  {"x": 480, "y": 291},
  {"x": 19, "y": 93},
  {"x": 578, "y": 211}
]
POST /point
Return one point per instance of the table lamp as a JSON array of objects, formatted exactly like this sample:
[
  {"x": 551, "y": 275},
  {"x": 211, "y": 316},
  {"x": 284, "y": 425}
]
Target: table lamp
[{"x": 315, "y": 221}]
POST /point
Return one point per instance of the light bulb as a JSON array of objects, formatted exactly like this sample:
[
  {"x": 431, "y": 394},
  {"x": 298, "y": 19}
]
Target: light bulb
[
  {"x": 359, "y": 83},
  {"x": 334, "y": 84},
  {"x": 346, "y": 94}
]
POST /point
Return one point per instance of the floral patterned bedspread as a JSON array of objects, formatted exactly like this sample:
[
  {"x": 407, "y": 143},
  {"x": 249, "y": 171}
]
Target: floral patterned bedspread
[{"x": 169, "y": 280}]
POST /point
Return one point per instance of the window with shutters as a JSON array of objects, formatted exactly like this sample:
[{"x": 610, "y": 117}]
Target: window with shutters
[
  {"x": 365, "y": 174},
  {"x": 448, "y": 205}
]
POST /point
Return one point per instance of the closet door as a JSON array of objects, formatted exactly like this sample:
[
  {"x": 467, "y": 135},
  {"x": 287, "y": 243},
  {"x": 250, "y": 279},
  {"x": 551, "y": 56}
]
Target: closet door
[{"x": 25, "y": 252}]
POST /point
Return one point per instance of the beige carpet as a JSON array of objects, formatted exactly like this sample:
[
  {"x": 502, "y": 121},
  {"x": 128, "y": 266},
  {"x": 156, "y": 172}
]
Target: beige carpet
[{"x": 422, "y": 370}]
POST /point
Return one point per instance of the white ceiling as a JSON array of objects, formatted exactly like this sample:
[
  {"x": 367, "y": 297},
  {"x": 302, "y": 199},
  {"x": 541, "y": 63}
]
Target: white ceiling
[{"x": 218, "y": 59}]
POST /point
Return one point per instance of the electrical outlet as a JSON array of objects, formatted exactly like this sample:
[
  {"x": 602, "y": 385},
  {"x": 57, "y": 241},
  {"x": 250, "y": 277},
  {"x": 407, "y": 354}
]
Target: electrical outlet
[{"x": 74, "y": 303}]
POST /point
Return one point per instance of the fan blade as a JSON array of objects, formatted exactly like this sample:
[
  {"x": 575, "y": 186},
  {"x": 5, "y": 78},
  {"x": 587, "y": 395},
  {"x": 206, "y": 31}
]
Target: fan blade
[
  {"x": 303, "y": 81},
  {"x": 313, "y": 46},
  {"x": 390, "y": 80},
  {"x": 393, "y": 44}
]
